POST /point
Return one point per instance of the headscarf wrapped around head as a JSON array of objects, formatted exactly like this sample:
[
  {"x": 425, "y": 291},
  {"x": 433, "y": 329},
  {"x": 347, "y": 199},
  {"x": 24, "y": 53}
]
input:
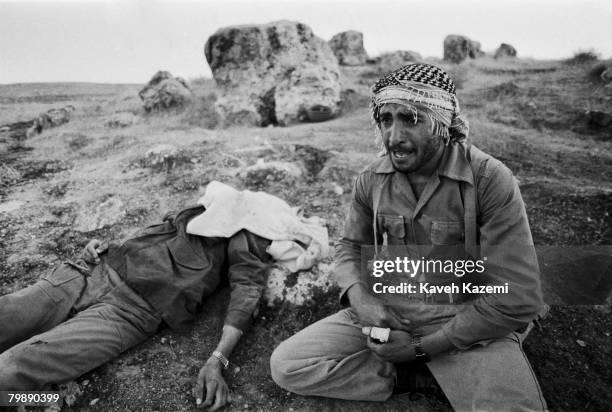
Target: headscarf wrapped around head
[{"x": 426, "y": 88}]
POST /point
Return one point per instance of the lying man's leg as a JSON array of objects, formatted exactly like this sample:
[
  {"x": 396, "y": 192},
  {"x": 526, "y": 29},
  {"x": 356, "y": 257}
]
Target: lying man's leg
[
  {"x": 493, "y": 377},
  {"x": 84, "y": 342},
  {"x": 330, "y": 358},
  {"x": 39, "y": 307}
]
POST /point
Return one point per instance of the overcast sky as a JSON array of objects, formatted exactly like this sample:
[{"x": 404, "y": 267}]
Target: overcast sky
[{"x": 128, "y": 41}]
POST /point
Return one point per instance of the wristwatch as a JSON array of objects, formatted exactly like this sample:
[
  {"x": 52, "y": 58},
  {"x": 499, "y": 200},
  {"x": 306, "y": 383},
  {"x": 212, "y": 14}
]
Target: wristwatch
[
  {"x": 421, "y": 355},
  {"x": 224, "y": 361}
]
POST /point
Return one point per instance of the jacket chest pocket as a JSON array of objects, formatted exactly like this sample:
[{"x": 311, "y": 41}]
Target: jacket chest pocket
[
  {"x": 394, "y": 228},
  {"x": 447, "y": 233},
  {"x": 184, "y": 255}
]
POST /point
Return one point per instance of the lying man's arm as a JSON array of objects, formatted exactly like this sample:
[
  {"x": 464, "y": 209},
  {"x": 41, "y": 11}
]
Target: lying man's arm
[{"x": 248, "y": 266}]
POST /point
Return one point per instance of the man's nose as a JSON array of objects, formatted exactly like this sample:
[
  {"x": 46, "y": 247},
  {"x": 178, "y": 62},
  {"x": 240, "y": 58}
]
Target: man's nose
[{"x": 395, "y": 134}]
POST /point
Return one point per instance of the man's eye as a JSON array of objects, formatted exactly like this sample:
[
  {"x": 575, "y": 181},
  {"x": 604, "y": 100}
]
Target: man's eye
[{"x": 386, "y": 121}]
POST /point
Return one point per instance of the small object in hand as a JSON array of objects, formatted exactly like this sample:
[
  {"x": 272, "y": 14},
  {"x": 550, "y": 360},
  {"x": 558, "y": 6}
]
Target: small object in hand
[{"x": 379, "y": 335}]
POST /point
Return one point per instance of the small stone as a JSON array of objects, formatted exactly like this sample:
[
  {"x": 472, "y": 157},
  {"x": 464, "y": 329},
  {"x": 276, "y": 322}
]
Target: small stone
[
  {"x": 236, "y": 369},
  {"x": 85, "y": 382},
  {"x": 93, "y": 402},
  {"x": 123, "y": 119},
  {"x": 163, "y": 341},
  {"x": 338, "y": 189},
  {"x": 581, "y": 343}
]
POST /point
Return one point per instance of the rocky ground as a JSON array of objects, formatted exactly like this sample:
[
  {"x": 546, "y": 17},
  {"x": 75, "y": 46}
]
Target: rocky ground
[{"x": 104, "y": 173}]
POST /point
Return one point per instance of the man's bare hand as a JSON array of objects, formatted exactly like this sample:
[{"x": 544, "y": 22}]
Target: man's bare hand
[
  {"x": 93, "y": 249},
  {"x": 211, "y": 391},
  {"x": 371, "y": 311},
  {"x": 397, "y": 349}
]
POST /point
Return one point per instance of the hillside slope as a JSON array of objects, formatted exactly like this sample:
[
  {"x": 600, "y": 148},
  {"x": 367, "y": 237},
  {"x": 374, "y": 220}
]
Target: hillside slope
[{"x": 530, "y": 114}]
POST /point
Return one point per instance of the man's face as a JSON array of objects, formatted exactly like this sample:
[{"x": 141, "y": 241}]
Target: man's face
[{"x": 410, "y": 145}]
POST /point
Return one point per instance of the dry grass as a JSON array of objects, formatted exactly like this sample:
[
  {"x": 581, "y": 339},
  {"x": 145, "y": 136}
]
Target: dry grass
[{"x": 525, "y": 112}]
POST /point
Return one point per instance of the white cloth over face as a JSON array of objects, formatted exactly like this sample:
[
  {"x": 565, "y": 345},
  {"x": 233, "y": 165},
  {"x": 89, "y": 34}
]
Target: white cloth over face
[{"x": 297, "y": 242}]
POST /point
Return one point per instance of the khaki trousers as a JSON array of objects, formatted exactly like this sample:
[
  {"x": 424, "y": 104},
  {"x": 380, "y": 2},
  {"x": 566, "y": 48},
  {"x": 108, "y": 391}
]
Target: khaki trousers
[
  {"x": 330, "y": 358},
  {"x": 68, "y": 323}
]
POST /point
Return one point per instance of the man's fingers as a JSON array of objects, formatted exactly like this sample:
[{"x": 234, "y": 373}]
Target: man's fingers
[
  {"x": 91, "y": 250},
  {"x": 220, "y": 399},
  {"x": 366, "y": 330},
  {"x": 197, "y": 391},
  {"x": 396, "y": 321},
  {"x": 102, "y": 247},
  {"x": 211, "y": 387}
]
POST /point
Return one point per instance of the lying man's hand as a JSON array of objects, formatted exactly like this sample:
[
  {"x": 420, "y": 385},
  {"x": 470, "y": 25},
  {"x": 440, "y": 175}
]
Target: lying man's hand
[
  {"x": 397, "y": 349},
  {"x": 372, "y": 311},
  {"x": 93, "y": 249},
  {"x": 211, "y": 384}
]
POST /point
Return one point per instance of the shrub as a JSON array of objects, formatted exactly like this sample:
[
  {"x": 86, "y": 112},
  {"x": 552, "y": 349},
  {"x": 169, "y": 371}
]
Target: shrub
[{"x": 582, "y": 57}]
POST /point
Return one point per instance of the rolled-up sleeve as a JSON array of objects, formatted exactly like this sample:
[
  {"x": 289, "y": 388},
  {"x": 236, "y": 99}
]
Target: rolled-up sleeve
[
  {"x": 507, "y": 246},
  {"x": 357, "y": 232},
  {"x": 248, "y": 267}
]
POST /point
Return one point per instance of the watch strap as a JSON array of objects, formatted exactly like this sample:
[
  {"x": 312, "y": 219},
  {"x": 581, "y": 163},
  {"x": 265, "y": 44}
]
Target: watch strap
[
  {"x": 224, "y": 361},
  {"x": 420, "y": 354}
]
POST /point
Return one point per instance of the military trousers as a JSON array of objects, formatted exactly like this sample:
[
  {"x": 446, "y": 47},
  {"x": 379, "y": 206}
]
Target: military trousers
[{"x": 74, "y": 319}]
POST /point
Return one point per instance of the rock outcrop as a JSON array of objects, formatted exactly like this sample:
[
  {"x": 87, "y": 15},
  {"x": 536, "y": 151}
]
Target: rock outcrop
[
  {"x": 121, "y": 119},
  {"x": 457, "y": 48},
  {"x": 20, "y": 131},
  {"x": 395, "y": 60},
  {"x": 107, "y": 213},
  {"x": 162, "y": 157},
  {"x": 165, "y": 91},
  {"x": 348, "y": 48},
  {"x": 271, "y": 73},
  {"x": 606, "y": 75},
  {"x": 505, "y": 50}
]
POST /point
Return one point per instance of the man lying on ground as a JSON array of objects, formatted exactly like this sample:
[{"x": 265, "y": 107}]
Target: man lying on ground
[{"x": 85, "y": 313}]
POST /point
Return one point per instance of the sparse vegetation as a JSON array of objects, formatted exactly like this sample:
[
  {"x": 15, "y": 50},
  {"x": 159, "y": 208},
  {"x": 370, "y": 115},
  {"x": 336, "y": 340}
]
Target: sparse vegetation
[
  {"x": 527, "y": 113},
  {"x": 583, "y": 57}
]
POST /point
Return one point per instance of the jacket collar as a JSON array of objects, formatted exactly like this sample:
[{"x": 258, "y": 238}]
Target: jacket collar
[{"x": 453, "y": 165}]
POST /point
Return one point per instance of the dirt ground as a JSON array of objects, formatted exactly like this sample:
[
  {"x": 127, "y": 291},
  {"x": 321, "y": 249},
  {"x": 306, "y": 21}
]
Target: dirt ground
[{"x": 529, "y": 114}]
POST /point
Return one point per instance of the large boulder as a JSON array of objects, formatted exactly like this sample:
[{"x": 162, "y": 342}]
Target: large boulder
[
  {"x": 505, "y": 50},
  {"x": 165, "y": 91},
  {"x": 395, "y": 60},
  {"x": 457, "y": 48},
  {"x": 272, "y": 73},
  {"x": 348, "y": 48}
]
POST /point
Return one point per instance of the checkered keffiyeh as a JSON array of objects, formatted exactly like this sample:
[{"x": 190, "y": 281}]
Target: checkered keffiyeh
[
  {"x": 420, "y": 73},
  {"x": 424, "y": 87}
]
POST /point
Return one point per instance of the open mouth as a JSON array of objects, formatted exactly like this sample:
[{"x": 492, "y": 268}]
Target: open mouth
[{"x": 402, "y": 154}]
